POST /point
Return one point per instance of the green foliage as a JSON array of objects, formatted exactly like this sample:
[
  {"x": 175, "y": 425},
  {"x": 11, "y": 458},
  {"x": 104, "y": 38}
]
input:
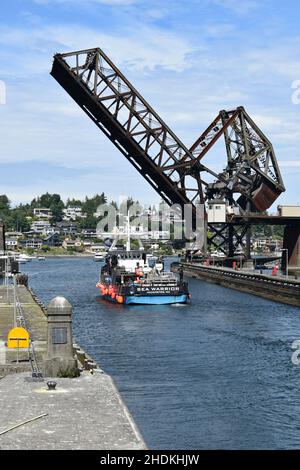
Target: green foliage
[
  {"x": 4, "y": 206},
  {"x": 134, "y": 244},
  {"x": 90, "y": 205},
  {"x": 267, "y": 231},
  {"x": 74, "y": 202},
  {"x": 88, "y": 222},
  {"x": 75, "y": 249},
  {"x": 68, "y": 372},
  {"x": 52, "y": 202},
  {"x": 45, "y": 248},
  {"x": 16, "y": 220},
  {"x": 19, "y": 218},
  {"x": 165, "y": 250}
]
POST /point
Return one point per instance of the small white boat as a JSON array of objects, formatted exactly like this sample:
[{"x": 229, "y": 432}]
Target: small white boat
[
  {"x": 99, "y": 256},
  {"x": 217, "y": 254},
  {"x": 23, "y": 258},
  {"x": 41, "y": 258}
]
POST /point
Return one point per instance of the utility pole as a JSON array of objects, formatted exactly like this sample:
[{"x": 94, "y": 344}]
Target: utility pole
[{"x": 15, "y": 301}]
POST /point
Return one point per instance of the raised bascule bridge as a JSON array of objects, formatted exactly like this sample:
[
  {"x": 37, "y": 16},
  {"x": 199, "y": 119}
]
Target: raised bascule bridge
[{"x": 247, "y": 185}]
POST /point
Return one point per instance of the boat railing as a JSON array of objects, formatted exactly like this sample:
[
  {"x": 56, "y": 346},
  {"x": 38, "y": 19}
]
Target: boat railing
[{"x": 162, "y": 277}]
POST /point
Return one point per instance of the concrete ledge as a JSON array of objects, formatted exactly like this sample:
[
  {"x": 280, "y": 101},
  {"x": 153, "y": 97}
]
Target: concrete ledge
[
  {"x": 271, "y": 288},
  {"x": 83, "y": 413}
]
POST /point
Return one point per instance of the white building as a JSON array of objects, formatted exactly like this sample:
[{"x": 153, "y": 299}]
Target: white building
[
  {"x": 289, "y": 211},
  {"x": 72, "y": 213},
  {"x": 13, "y": 234},
  {"x": 41, "y": 227},
  {"x": 11, "y": 243},
  {"x": 42, "y": 213},
  {"x": 136, "y": 231},
  {"x": 67, "y": 243},
  {"x": 50, "y": 230},
  {"x": 216, "y": 211}
]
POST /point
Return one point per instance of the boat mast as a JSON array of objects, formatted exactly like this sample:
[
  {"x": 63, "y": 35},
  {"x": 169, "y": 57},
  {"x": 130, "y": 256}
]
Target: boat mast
[{"x": 128, "y": 232}]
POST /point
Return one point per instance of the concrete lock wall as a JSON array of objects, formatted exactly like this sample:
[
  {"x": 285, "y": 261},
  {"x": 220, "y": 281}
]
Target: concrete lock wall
[
  {"x": 291, "y": 249},
  {"x": 60, "y": 360}
]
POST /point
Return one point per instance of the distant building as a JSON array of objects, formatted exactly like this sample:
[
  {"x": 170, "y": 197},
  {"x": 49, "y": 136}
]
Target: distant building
[
  {"x": 50, "y": 231},
  {"x": 95, "y": 247},
  {"x": 67, "y": 243},
  {"x": 40, "y": 226},
  {"x": 216, "y": 211},
  {"x": 11, "y": 243},
  {"x": 52, "y": 240},
  {"x": 267, "y": 245},
  {"x": 89, "y": 232},
  {"x": 13, "y": 234},
  {"x": 42, "y": 213},
  {"x": 35, "y": 243},
  {"x": 136, "y": 231},
  {"x": 67, "y": 228},
  {"x": 86, "y": 244},
  {"x": 159, "y": 235},
  {"x": 289, "y": 211},
  {"x": 72, "y": 213}
]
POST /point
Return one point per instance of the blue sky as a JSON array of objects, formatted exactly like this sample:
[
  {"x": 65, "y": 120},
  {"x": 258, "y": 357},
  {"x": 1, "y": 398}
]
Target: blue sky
[{"x": 189, "y": 60}]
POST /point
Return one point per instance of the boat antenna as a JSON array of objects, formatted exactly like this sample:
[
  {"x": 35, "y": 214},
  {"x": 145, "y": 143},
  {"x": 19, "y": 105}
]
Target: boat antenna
[{"x": 128, "y": 232}]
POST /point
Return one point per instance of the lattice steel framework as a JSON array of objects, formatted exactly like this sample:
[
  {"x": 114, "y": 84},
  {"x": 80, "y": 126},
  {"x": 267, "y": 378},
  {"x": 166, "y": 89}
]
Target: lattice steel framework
[
  {"x": 117, "y": 108},
  {"x": 252, "y": 171},
  {"x": 251, "y": 178}
]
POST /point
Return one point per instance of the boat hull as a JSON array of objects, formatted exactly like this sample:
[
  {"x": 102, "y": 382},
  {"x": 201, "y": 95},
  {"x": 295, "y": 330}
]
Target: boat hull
[{"x": 150, "y": 300}]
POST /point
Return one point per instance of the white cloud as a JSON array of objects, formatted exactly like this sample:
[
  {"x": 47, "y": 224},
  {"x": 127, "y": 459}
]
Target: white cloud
[
  {"x": 239, "y": 7},
  {"x": 289, "y": 163},
  {"x": 218, "y": 30},
  {"x": 40, "y": 121},
  {"x": 275, "y": 59},
  {"x": 267, "y": 121},
  {"x": 147, "y": 47},
  {"x": 103, "y": 2}
]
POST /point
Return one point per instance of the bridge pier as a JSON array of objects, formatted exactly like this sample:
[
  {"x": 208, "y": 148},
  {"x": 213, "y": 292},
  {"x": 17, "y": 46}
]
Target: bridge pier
[{"x": 291, "y": 249}]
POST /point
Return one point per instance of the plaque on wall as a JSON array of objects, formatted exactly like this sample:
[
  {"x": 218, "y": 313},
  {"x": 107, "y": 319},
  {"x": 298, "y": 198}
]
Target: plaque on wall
[{"x": 59, "y": 335}]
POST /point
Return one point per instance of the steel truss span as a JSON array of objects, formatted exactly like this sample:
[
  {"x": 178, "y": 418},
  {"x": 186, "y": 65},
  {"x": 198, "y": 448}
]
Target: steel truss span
[
  {"x": 117, "y": 108},
  {"x": 250, "y": 179}
]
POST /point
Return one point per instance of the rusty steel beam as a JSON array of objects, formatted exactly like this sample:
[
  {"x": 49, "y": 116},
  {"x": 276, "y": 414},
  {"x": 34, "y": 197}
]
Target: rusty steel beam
[
  {"x": 174, "y": 171},
  {"x": 125, "y": 117},
  {"x": 252, "y": 172}
]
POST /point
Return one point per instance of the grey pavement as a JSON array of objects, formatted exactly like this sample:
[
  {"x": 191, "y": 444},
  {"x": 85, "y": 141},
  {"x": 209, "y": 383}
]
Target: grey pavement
[{"x": 83, "y": 413}]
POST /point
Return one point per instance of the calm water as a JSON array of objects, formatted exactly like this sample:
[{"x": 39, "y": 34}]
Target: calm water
[{"x": 213, "y": 374}]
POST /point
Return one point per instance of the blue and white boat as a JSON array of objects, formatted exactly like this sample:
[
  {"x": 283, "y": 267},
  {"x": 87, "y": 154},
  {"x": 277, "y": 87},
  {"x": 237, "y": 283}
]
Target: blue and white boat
[{"x": 126, "y": 278}]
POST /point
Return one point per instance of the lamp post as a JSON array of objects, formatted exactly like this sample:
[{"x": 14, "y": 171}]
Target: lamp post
[{"x": 286, "y": 261}]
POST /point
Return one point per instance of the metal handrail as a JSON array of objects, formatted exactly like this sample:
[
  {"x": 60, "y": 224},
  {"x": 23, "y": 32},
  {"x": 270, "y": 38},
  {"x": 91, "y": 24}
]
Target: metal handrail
[{"x": 35, "y": 369}]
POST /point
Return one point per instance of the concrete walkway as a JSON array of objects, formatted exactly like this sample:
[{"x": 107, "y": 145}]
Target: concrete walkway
[
  {"x": 83, "y": 413},
  {"x": 36, "y": 323}
]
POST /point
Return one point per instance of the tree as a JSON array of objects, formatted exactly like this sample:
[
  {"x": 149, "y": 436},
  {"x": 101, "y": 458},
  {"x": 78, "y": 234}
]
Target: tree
[
  {"x": 4, "y": 206},
  {"x": 52, "y": 202},
  {"x": 90, "y": 204},
  {"x": 73, "y": 203},
  {"x": 16, "y": 220},
  {"x": 45, "y": 248},
  {"x": 88, "y": 222}
]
